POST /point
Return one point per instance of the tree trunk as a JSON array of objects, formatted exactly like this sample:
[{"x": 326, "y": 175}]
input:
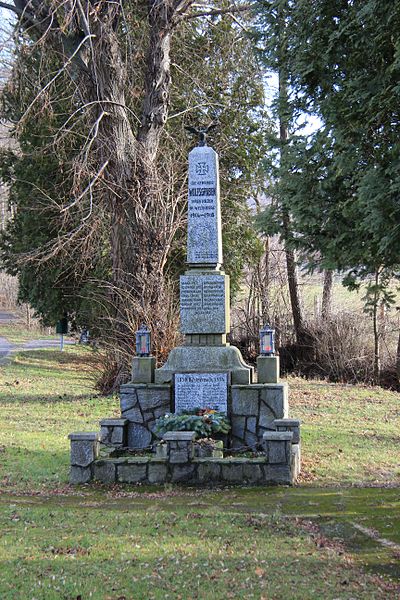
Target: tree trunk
[
  {"x": 294, "y": 293},
  {"x": 327, "y": 295},
  {"x": 377, "y": 358},
  {"x": 398, "y": 358}
]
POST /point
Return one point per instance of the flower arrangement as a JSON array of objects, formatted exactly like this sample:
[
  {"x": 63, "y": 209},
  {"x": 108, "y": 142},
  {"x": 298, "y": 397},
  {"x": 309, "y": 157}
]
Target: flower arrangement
[{"x": 205, "y": 422}]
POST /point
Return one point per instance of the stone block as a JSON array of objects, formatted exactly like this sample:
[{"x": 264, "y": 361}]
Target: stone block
[
  {"x": 277, "y": 446},
  {"x": 118, "y": 436},
  {"x": 242, "y": 376},
  {"x": 275, "y": 396},
  {"x": 132, "y": 473},
  {"x": 292, "y": 425},
  {"x": 84, "y": 448},
  {"x": 152, "y": 396},
  {"x": 180, "y": 447},
  {"x": 278, "y": 474},
  {"x": 252, "y": 473},
  {"x": 178, "y": 456},
  {"x": 179, "y": 436},
  {"x": 296, "y": 460},
  {"x": 128, "y": 400},
  {"x": 134, "y": 414},
  {"x": 267, "y": 417},
  {"x": 157, "y": 472},
  {"x": 250, "y": 439},
  {"x": 105, "y": 435},
  {"x": 233, "y": 472},
  {"x": 251, "y": 424},
  {"x": 277, "y": 452},
  {"x": 161, "y": 451},
  {"x": 143, "y": 369},
  {"x": 104, "y": 471},
  {"x": 238, "y": 426},
  {"x": 79, "y": 475},
  {"x": 268, "y": 369},
  {"x": 161, "y": 411},
  {"x": 183, "y": 473},
  {"x": 186, "y": 359},
  {"x": 138, "y": 436},
  {"x": 113, "y": 422},
  {"x": 208, "y": 472},
  {"x": 245, "y": 400},
  {"x": 204, "y": 303}
]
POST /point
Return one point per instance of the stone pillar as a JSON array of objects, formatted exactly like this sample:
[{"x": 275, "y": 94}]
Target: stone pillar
[
  {"x": 292, "y": 425},
  {"x": 84, "y": 451},
  {"x": 143, "y": 369},
  {"x": 268, "y": 369},
  {"x": 277, "y": 446},
  {"x": 180, "y": 447},
  {"x": 114, "y": 432}
]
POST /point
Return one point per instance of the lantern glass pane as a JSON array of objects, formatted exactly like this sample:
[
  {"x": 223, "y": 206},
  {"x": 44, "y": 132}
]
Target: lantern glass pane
[
  {"x": 266, "y": 343},
  {"x": 143, "y": 344}
]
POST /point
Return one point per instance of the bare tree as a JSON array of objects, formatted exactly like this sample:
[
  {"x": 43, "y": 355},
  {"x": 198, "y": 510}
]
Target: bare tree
[
  {"x": 327, "y": 294},
  {"x": 118, "y": 176}
]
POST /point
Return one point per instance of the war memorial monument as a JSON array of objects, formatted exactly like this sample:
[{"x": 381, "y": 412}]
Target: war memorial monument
[{"x": 204, "y": 372}]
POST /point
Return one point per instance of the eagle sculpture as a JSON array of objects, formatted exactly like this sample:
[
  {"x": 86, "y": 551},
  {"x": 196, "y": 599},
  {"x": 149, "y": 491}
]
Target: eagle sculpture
[{"x": 201, "y": 132}]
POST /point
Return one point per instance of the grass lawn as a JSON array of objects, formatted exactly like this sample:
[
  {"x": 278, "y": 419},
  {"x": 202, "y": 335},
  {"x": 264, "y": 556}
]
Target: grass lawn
[
  {"x": 17, "y": 333},
  {"x": 334, "y": 536}
]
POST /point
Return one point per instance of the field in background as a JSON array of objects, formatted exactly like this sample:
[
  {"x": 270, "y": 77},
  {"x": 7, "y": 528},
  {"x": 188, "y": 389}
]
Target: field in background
[{"x": 124, "y": 542}]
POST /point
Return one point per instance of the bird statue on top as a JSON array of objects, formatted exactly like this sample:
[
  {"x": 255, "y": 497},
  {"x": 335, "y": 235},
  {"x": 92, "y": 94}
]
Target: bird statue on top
[{"x": 201, "y": 132}]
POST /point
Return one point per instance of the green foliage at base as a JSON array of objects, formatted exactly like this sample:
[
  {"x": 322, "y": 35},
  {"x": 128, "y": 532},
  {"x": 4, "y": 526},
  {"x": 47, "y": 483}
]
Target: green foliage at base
[{"x": 205, "y": 423}]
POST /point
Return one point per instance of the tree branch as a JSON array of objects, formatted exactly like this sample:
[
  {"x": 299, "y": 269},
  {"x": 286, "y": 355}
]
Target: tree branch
[{"x": 222, "y": 11}]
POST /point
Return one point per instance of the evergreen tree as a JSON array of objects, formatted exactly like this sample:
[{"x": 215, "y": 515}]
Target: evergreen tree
[{"x": 344, "y": 185}]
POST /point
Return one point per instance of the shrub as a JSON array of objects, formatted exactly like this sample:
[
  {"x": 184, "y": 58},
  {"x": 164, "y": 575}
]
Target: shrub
[{"x": 204, "y": 422}]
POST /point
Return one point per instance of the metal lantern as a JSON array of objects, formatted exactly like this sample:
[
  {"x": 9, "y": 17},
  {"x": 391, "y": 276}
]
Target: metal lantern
[
  {"x": 143, "y": 341},
  {"x": 267, "y": 341}
]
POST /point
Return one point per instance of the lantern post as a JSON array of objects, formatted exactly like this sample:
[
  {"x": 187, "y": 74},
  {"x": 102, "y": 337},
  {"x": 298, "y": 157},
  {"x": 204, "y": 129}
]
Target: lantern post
[
  {"x": 268, "y": 360},
  {"x": 143, "y": 364}
]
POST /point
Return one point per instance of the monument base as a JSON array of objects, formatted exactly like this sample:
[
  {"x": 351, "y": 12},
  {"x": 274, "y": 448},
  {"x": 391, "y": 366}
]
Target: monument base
[{"x": 186, "y": 359}]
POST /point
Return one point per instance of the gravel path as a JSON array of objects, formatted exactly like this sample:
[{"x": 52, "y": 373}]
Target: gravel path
[{"x": 6, "y": 347}]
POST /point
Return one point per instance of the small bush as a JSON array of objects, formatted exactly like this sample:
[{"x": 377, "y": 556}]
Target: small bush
[
  {"x": 341, "y": 350},
  {"x": 204, "y": 422}
]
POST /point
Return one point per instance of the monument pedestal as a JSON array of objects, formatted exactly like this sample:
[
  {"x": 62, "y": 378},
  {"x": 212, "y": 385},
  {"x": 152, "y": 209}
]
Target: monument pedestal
[{"x": 200, "y": 359}]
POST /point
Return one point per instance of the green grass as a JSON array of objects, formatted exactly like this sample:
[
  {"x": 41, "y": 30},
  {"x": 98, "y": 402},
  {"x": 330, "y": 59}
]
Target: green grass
[
  {"x": 45, "y": 394},
  {"x": 141, "y": 542},
  {"x": 350, "y": 434},
  {"x": 17, "y": 333}
]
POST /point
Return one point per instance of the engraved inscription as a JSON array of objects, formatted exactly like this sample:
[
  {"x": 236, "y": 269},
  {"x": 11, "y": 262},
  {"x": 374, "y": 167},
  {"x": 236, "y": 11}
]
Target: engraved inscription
[
  {"x": 201, "y": 390},
  {"x": 204, "y": 222},
  {"x": 203, "y": 304}
]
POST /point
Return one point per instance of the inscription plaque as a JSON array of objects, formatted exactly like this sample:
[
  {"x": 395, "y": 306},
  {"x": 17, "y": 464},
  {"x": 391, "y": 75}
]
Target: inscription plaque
[
  {"x": 201, "y": 390},
  {"x": 204, "y": 245},
  {"x": 204, "y": 303}
]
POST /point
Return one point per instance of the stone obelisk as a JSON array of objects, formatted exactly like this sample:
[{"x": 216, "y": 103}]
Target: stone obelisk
[{"x": 204, "y": 288}]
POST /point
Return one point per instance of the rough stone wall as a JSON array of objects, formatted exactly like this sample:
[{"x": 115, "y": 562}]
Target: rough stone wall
[
  {"x": 253, "y": 410},
  {"x": 199, "y": 471},
  {"x": 141, "y": 405}
]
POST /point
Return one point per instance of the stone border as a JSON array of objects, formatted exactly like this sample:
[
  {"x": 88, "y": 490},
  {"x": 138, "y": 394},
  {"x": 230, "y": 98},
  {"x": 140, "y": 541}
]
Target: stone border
[{"x": 280, "y": 465}]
